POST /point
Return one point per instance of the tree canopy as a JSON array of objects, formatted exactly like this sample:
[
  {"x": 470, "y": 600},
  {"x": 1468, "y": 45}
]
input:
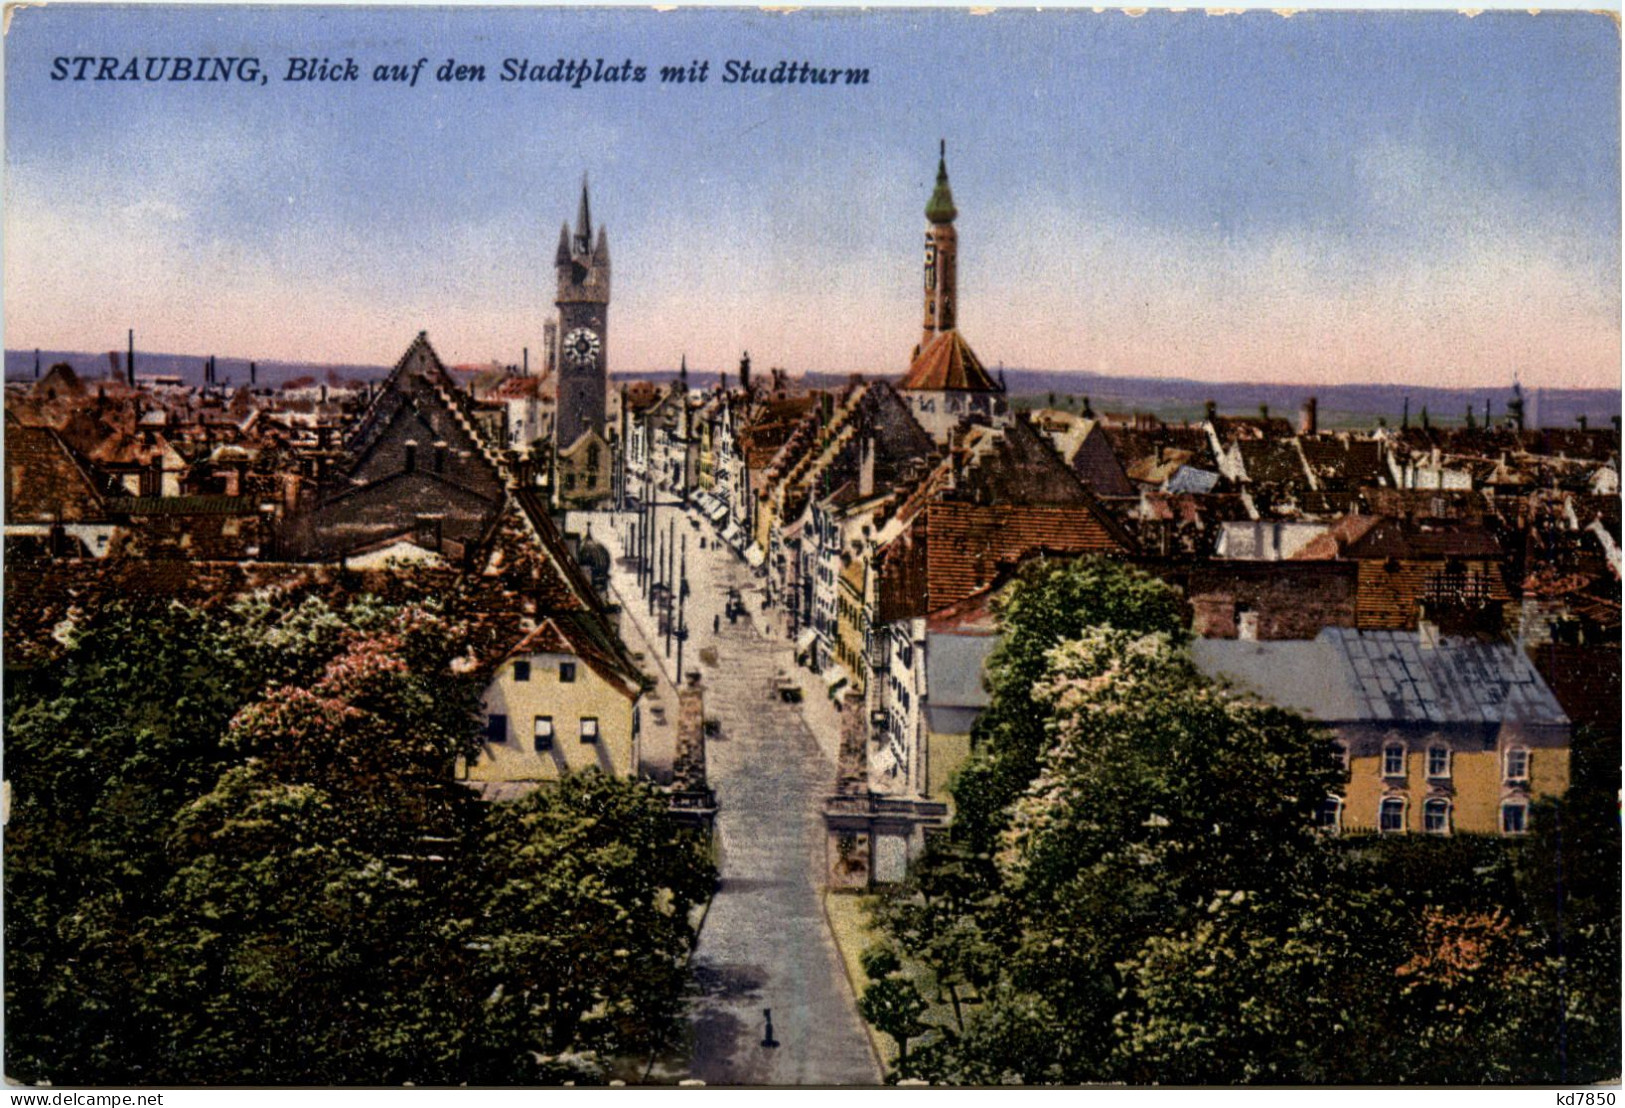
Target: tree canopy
[
  {"x": 237, "y": 855},
  {"x": 1134, "y": 889}
]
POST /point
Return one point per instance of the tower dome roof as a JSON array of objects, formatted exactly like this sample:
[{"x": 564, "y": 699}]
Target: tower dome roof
[
  {"x": 940, "y": 208},
  {"x": 592, "y": 554}
]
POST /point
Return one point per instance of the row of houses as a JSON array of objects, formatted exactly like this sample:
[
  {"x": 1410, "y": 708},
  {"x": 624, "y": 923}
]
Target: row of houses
[
  {"x": 413, "y": 501},
  {"x": 1425, "y": 612}
]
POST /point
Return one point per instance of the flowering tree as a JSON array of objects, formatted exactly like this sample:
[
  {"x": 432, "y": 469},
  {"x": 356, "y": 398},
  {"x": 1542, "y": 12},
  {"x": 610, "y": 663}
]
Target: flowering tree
[{"x": 237, "y": 855}]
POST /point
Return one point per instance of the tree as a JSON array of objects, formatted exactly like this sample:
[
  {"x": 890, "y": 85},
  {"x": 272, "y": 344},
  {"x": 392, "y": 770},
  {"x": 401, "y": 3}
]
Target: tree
[
  {"x": 1568, "y": 882},
  {"x": 580, "y": 901},
  {"x": 1117, "y": 793},
  {"x": 1048, "y": 604},
  {"x": 890, "y": 1002},
  {"x": 237, "y": 855}
]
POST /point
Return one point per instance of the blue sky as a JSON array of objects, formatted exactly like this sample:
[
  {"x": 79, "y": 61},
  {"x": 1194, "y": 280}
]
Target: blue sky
[{"x": 1327, "y": 197}]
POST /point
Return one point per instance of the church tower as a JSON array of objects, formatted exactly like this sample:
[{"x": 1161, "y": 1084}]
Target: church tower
[
  {"x": 946, "y": 382},
  {"x": 941, "y": 256},
  {"x": 583, "y": 303}
]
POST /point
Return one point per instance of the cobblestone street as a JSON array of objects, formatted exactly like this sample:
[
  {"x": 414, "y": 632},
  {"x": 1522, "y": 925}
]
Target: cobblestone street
[{"x": 765, "y": 943}]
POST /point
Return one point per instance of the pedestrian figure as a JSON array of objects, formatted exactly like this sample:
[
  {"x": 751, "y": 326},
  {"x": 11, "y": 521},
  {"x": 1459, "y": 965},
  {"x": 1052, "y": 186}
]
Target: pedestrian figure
[
  {"x": 716, "y": 624},
  {"x": 768, "y": 1040}
]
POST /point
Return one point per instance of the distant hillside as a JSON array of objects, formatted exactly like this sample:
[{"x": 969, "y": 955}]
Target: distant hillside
[
  {"x": 1176, "y": 399},
  {"x": 270, "y": 373},
  {"x": 1171, "y": 398}
]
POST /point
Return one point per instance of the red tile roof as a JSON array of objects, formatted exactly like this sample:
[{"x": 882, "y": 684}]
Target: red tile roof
[{"x": 948, "y": 362}]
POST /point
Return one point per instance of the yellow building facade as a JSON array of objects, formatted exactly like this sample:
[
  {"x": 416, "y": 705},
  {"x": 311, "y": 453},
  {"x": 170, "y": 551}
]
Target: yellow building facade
[
  {"x": 1441, "y": 735},
  {"x": 551, "y": 711},
  {"x": 1436, "y": 783}
]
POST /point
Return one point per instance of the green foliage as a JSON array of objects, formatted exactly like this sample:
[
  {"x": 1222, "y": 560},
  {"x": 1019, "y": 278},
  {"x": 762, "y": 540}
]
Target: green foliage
[
  {"x": 894, "y": 1005},
  {"x": 237, "y": 856},
  {"x": 1568, "y": 878},
  {"x": 1050, "y": 603},
  {"x": 580, "y": 898},
  {"x": 1134, "y": 889},
  {"x": 879, "y": 961}
]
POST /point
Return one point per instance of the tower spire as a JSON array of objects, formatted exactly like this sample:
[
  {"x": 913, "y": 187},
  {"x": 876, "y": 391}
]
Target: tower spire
[
  {"x": 584, "y": 221},
  {"x": 941, "y": 209}
]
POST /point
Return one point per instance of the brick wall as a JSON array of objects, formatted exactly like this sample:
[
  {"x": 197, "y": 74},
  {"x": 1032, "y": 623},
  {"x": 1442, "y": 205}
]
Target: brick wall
[{"x": 1293, "y": 600}]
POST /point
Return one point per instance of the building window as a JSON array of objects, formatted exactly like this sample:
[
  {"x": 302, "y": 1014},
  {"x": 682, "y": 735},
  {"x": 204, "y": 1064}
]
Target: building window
[
  {"x": 1438, "y": 761},
  {"x": 1340, "y": 752},
  {"x": 1517, "y": 764},
  {"x": 1391, "y": 819},
  {"x": 1393, "y": 760},
  {"x": 1514, "y": 817},
  {"x": 1330, "y": 817},
  {"x": 589, "y": 729},
  {"x": 544, "y": 733},
  {"x": 521, "y": 671},
  {"x": 496, "y": 729},
  {"x": 1436, "y": 816},
  {"x": 567, "y": 672}
]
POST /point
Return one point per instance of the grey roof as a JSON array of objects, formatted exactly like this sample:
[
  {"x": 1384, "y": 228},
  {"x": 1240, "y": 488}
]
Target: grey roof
[
  {"x": 1400, "y": 676},
  {"x": 1191, "y": 479}
]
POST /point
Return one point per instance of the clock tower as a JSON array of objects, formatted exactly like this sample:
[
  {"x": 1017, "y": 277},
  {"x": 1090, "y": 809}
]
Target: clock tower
[{"x": 583, "y": 303}]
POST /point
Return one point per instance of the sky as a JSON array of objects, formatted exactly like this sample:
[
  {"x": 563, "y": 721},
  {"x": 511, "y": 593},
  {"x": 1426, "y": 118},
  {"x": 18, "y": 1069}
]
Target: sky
[{"x": 1395, "y": 197}]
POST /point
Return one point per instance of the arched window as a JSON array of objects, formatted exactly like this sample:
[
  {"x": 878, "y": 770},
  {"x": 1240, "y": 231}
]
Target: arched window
[
  {"x": 1436, "y": 816},
  {"x": 1393, "y": 760},
  {"x": 1330, "y": 816},
  {"x": 1391, "y": 818}
]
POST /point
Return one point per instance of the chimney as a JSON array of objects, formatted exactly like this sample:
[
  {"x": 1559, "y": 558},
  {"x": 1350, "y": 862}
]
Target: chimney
[
  {"x": 429, "y": 530},
  {"x": 866, "y": 467},
  {"x": 526, "y": 361},
  {"x": 36, "y": 363},
  {"x": 1405, "y": 419},
  {"x": 688, "y": 765},
  {"x": 253, "y": 374},
  {"x": 744, "y": 371},
  {"x": 129, "y": 367},
  {"x": 1212, "y": 411},
  {"x": 1309, "y": 419}
]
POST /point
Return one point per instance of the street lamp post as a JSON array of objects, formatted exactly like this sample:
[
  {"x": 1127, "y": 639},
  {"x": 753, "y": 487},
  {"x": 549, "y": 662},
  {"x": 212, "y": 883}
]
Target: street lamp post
[
  {"x": 671, "y": 564},
  {"x": 682, "y": 595}
]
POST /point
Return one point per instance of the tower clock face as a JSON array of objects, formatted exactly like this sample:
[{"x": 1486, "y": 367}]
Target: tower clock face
[{"x": 581, "y": 346}]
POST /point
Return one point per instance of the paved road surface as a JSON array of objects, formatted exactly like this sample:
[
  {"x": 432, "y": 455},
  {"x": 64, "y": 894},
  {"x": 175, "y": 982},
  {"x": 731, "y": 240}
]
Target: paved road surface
[{"x": 765, "y": 943}]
